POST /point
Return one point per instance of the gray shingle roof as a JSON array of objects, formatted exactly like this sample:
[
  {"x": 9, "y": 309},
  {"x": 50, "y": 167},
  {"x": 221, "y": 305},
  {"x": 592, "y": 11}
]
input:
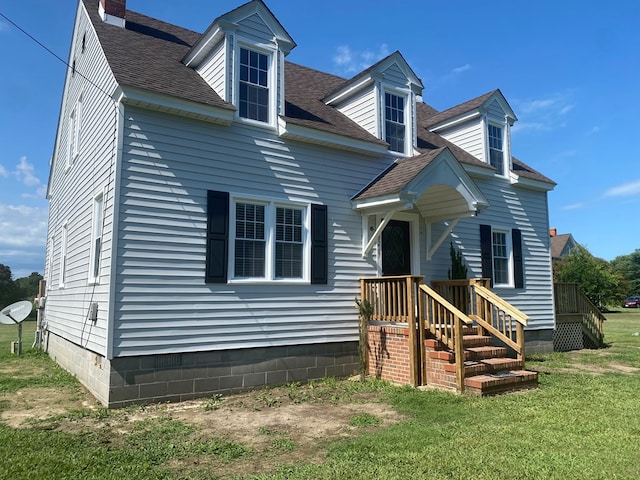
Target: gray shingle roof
[{"x": 148, "y": 54}]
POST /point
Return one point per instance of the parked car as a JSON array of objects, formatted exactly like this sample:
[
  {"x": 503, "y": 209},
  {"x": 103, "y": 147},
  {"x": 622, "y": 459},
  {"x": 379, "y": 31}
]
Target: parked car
[{"x": 632, "y": 302}]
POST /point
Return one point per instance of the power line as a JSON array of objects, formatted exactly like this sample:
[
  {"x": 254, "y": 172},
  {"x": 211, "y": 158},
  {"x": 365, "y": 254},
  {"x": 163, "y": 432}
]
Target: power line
[{"x": 55, "y": 55}]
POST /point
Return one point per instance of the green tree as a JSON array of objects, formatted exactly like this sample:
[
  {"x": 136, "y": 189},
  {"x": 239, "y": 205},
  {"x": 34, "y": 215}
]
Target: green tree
[
  {"x": 628, "y": 266},
  {"x": 28, "y": 286},
  {"x": 596, "y": 277},
  {"x": 8, "y": 290}
]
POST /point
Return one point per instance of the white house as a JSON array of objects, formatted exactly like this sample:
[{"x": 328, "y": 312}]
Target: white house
[{"x": 213, "y": 206}]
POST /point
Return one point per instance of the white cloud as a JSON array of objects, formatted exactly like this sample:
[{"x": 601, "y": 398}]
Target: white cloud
[
  {"x": 461, "y": 69},
  {"x": 543, "y": 114},
  {"x": 350, "y": 62},
  {"x": 23, "y": 236},
  {"x": 574, "y": 206},
  {"x": 22, "y": 226},
  {"x": 25, "y": 173},
  {"x": 593, "y": 130},
  {"x": 3, "y": 172},
  {"x": 624, "y": 190}
]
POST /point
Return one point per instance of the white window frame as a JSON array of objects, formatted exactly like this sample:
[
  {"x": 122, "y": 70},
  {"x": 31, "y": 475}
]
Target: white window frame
[
  {"x": 406, "y": 120},
  {"x": 270, "y": 240},
  {"x": 52, "y": 244},
  {"x": 272, "y": 84},
  {"x": 63, "y": 255},
  {"x": 97, "y": 232},
  {"x": 503, "y": 146},
  {"x": 509, "y": 257},
  {"x": 75, "y": 120}
]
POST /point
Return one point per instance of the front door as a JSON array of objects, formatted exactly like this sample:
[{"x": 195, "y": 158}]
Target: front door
[{"x": 396, "y": 249}]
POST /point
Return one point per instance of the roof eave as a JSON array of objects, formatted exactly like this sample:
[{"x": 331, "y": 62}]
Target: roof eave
[
  {"x": 129, "y": 95},
  {"x": 531, "y": 183},
  {"x": 311, "y": 135}
]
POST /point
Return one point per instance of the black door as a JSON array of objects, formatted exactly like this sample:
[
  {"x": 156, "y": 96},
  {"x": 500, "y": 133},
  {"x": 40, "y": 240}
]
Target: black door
[{"x": 396, "y": 251}]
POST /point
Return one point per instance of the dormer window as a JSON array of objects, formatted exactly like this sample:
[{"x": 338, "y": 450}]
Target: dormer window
[
  {"x": 496, "y": 152},
  {"x": 394, "y": 122},
  {"x": 253, "y": 97}
]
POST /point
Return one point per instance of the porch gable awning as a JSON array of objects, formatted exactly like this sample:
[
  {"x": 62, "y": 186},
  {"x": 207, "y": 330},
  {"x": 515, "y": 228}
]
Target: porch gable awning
[{"x": 435, "y": 183}]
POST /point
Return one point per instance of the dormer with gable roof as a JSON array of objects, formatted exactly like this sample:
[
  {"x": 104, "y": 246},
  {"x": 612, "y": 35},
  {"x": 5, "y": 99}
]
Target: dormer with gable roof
[
  {"x": 382, "y": 100},
  {"x": 482, "y": 127},
  {"x": 241, "y": 56}
]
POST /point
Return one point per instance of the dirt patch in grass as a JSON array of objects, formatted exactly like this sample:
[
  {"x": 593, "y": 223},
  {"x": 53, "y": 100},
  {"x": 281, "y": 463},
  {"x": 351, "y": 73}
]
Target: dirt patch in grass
[{"x": 271, "y": 427}]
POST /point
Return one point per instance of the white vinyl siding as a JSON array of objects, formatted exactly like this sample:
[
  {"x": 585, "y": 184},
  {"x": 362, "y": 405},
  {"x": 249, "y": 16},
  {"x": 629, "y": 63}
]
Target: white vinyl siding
[
  {"x": 71, "y": 193},
  {"x": 468, "y": 136},
  {"x": 169, "y": 165},
  {"x": 362, "y": 109},
  {"x": 213, "y": 71}
]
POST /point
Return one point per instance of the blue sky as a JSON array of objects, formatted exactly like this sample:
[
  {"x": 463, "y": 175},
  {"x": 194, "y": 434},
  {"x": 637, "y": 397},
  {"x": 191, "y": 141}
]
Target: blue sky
[{"x": 570, "y": 70}]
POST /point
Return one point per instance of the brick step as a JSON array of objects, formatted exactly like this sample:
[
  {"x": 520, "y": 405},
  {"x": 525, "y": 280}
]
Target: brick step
[
  {"x": 488, "y": 365},
  {"x": 476, "y": 340},
  {"x": 499, "y": 382},
  {"x": 482, "y": 353}
]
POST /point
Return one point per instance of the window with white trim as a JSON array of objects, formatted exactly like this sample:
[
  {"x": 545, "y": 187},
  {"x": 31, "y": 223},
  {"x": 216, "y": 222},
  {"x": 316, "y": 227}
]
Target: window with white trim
[
  {"x": 269, "y": 241},
  {"x": 496, "y": 151},
  {"x": 501, "y": 258},
  {"x": 96, "y": 238},
  {"x": 394, "y": 122},
  {"x": 254, "y": 85},
  {"x": 74, "y": 132},
  {"x": 63, "y": 255}
]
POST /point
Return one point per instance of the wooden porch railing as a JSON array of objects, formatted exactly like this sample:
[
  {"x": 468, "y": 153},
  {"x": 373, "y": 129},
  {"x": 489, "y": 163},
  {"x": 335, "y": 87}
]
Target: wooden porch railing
[
  {"x": 571, "y": 304},
  {"x": 393, "y": 299},
  {"x": 443, "y": 311},
  {"x": 492, "y": 314},
  {"x": 444, "y": 321}
]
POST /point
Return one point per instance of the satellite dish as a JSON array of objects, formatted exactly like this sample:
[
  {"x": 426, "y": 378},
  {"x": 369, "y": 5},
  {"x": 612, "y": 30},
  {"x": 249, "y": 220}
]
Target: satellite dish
[{"x": 15, "y": 313}]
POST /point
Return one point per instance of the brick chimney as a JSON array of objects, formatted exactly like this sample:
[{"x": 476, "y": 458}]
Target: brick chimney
[
  {"x": 553, "y": 232},
  {"x": 113, "y": 12}
]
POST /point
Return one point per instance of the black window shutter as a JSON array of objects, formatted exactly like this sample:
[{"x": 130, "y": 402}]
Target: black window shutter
[
  {"x": 217, "y": 236},
  {"x": 486, "y": 255},
  {"x": 319, "y": 245},
  {"x": 518, "y": 265}
]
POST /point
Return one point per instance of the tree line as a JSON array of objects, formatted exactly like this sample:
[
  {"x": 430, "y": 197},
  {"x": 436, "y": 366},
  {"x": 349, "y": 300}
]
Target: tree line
[
  {"x": 606, "y": 284},
  {"x": 11, "y": 291}
]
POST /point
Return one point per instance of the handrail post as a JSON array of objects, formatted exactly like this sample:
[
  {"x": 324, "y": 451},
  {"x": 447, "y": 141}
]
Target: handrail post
[
  {"x": 414, "y": 358},
  {"x": 459, "y": 353},
  {"x": 520, "y": 340}
]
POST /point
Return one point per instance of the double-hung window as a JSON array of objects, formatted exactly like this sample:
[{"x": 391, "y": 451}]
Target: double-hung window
[
  {"x": 74, "y": 132},
  {"x": 253, "y": 88},
  {"x": 394, "y": 122},
  {"x": 63, "y": 255},
  {"x": 501, "y": 257},
  {"x": 496, "y": 152},
  {"x": 269, "y": 241},
  {"x": 96, "y": 238}
]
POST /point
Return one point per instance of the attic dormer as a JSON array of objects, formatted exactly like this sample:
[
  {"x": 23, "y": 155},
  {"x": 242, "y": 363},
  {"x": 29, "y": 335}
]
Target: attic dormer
[
  {"x": 241, "y": 56},
  {"x": 382, "y": 100},
  {"x": 482, "y": 127}
]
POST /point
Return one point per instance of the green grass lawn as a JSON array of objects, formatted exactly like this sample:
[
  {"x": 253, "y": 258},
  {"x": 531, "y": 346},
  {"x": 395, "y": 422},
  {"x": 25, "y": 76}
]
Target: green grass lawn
[{"x": 583, "y": 422}]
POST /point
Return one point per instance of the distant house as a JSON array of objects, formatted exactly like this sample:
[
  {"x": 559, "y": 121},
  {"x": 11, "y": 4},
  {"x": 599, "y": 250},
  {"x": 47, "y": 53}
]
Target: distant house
[
  {"x": 213, "y": 205},
  {"x": 561, "y": 244}
]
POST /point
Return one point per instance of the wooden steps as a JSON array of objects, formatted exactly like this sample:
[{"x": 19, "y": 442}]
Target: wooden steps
[{"x": 487, "y": 369}]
